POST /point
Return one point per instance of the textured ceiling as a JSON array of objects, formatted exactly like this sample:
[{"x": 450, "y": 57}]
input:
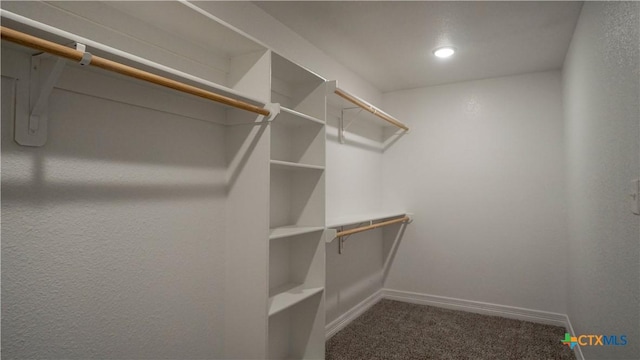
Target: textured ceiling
[{"x": 390, "y": 43}]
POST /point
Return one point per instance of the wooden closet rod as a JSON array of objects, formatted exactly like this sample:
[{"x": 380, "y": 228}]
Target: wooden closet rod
[
  {"x": 72, "y": 54},
  {"x": 372, "y": 226},
  {"x": 370, "y": 108}
]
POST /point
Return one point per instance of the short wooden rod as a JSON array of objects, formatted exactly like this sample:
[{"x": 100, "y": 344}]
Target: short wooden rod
[
  {"x": 72, "y": 54},
  {"x": 372, "y": 226},
  {"x": 370, "y": 108}
]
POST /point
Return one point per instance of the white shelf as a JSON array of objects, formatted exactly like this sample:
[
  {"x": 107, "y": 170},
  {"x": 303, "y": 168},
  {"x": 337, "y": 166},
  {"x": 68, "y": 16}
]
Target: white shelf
[
  {"x": 359, "y": 218},
  {"x": 154, "y": 52},
  {"x": 292, "y": 117},
  {"x": 352, "y": 110},
  {"x": 288, "y": 295},
  {"x": 287, "y": 231},
  {"x": 287, "y": 165}
]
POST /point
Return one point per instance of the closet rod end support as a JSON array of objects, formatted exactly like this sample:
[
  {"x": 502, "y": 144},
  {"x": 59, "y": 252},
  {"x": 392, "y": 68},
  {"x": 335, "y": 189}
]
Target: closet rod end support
[
  {"x": 274, "y": 110},
  {"x": 410, "y": 216}
]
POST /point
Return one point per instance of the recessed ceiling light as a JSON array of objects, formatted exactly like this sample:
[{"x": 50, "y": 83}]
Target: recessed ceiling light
[{"x": 444, "y": 52}]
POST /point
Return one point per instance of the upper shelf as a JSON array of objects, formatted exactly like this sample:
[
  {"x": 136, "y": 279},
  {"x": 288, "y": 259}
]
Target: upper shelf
[
  {"x": 360, "y": 218},
  {"x": 346, "y": 102},
  {"x": 374, "y": 220},
  {"x": 202, "y": 51}
]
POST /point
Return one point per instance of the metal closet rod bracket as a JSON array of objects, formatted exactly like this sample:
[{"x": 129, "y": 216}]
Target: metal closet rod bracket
[{"x": 342, "y": 235}]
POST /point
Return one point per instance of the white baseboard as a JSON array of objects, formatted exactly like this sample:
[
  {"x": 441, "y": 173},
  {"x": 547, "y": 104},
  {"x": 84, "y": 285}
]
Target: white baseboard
[
  {"x": 345, "y": 319},
  {"x": 537, "y": 316},
  {"x": 511, "y": 312},
  {"x": 576, "y": 350}
]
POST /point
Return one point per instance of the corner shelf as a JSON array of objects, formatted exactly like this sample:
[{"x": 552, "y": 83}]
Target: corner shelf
[{"x": 288, "y": 295}]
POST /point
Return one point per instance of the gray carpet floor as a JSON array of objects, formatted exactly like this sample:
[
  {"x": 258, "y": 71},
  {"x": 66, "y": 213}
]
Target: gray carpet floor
[{"x": 397, "y": 330}]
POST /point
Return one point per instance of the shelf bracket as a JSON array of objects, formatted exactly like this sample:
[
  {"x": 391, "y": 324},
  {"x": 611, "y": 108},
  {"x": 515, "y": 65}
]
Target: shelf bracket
[
  {"x": 342, "y": 235},
  {"x": 32, "y": 130},
  {"x": 342, "y": 239}
]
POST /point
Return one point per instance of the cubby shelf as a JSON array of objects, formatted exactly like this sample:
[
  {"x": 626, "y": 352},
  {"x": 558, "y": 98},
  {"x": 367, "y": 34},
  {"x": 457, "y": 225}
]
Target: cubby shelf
[
  {"x": 287, "y": 165},
  {"x": 294, "y": 87},
  {"x": 288, "y": 295},
  {"x": 293, "y": 117},
  {"x": 288, "y": 231}
]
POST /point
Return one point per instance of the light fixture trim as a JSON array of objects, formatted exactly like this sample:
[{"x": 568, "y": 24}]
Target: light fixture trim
[{"x": 444, "y": 51}]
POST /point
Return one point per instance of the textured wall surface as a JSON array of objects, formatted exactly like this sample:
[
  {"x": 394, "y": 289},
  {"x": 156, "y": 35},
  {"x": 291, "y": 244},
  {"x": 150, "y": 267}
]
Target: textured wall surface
[
  {"x": 113, "y": 232},
  {"x": 354, "y": 185},
  {"x": 483, "y": 171},
  {"x": 602, "y": 114}
]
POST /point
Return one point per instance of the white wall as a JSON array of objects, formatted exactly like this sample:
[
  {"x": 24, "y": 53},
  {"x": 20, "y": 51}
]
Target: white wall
[
  {"x": 482, "y": 169},
  {"x": 113, "y": 232},
  {"x": 354, "y": 186},
  {"x": 602, "y": 115}
]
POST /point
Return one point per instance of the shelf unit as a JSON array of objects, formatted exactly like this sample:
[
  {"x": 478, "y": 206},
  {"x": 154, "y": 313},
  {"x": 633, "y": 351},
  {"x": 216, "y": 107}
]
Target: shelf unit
[{"x": 297, "y": 210}]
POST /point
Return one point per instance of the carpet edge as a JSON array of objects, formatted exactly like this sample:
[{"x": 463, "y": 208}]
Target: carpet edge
[{"x": 537, "y": 316}]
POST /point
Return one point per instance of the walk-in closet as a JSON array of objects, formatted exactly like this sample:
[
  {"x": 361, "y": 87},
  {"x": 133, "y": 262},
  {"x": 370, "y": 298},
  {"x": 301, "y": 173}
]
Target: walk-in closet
[{"x": 320, "y": 180}]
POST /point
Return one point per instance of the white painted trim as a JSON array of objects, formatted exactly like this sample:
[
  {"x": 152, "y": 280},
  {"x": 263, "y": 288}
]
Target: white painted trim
[
  {"x": 345, "y": 319},
  {"x": 576, "y": 350},
  {"x": 537, "y": 316}
]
